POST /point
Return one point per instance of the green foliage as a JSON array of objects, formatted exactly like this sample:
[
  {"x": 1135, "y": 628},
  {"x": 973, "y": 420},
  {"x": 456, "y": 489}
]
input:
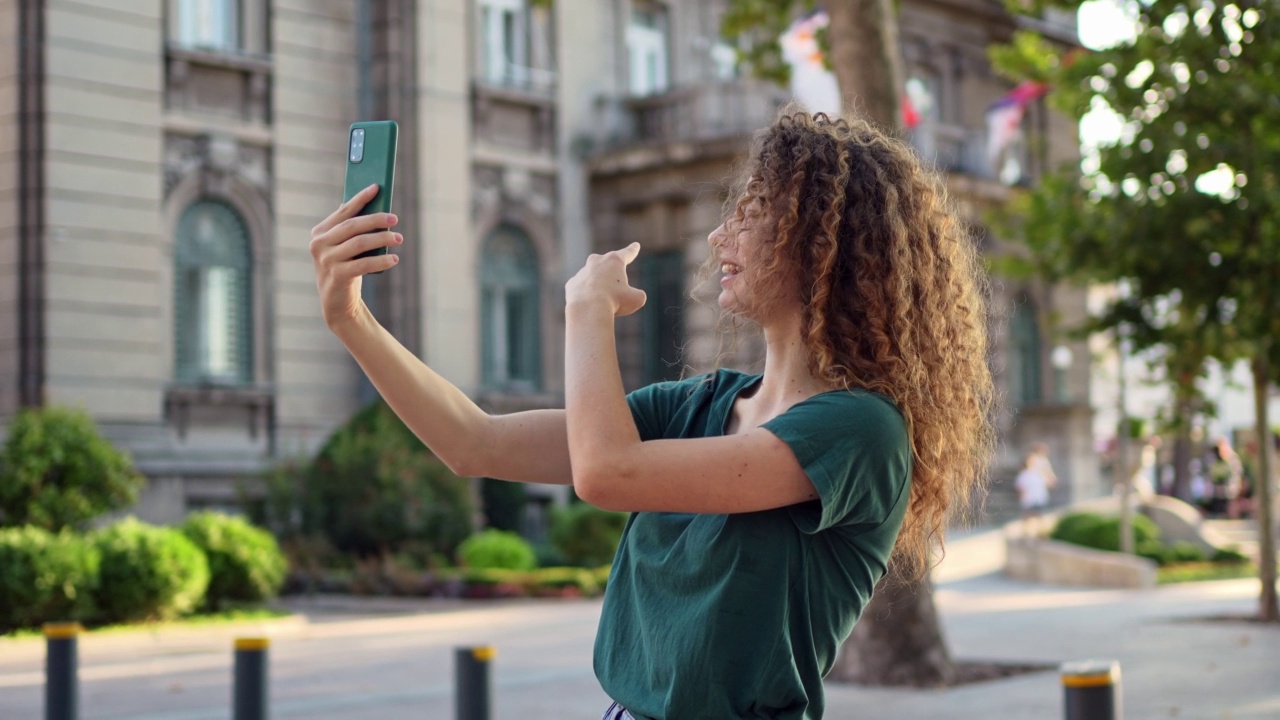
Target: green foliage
[
  {"x": 373, "y": 489},
  {"x": 754, "y": 26},
  {"x": 148, "y": 573},
  {"x": 1198, "y": 572},
  {"x": 504, "y": 503},
  {"x": 245, "y": 562},
  {"x": 45, "y": 577},
  {"x": 1075, "y": 525},
  {"x": 1195, "y": 90},
  {"x": 497, "y": 549},
  {"x": 586, "y": 535},
  {"x": 57, "y": 471},
  {"x": 1229, "y": 556},
  {"x": 581, "y": 579},
  {"x": 1103, "y": 533},
  {"x": 1182, "y": 552},
  {"x": 549, "y": 555}
]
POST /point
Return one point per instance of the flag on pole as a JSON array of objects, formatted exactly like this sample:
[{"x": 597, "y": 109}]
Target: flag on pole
[
  {"x": 811, "y": 83},
  {"x": 1004, "y": 118},
  {"x": 815, "y": 86}
]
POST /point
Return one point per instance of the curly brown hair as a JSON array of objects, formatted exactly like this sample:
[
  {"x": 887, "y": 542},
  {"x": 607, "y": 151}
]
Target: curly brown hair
[{"x": 893, "y": 290}]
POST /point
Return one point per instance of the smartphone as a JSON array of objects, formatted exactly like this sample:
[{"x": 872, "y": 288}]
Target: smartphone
[{"x": 371, "y": 158}]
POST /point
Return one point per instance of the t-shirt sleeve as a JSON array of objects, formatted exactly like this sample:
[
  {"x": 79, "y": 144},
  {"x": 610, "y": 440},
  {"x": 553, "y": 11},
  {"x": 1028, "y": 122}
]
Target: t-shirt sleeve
[
  {"x": 854, "y": 448},
  {"x": 653, "y": 406}
]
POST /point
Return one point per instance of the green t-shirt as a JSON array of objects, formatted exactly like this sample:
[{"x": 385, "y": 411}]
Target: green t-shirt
[{"x": 741, "y": 616}]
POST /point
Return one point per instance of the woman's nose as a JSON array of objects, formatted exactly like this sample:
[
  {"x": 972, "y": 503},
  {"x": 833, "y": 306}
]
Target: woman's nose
[{"x": 717, "y": 236}]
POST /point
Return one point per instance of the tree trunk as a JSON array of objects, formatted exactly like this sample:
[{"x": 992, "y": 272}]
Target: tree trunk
[
  {"x": 898, "y": 641},
  {"x": 1265, "y": 487},
  {"x": 863, "y": 41},
  {"x": 1182, "y": 459}
]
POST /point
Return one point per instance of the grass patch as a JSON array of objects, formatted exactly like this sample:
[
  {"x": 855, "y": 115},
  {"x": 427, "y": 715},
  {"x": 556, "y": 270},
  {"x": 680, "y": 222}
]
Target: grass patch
[
  {"x": 222, "y": 617},
  {"x": 1200, "y": 571}
]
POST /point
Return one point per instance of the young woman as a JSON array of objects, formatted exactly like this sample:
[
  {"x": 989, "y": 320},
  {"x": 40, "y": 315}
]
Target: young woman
[{"x": 765, "y": 507}]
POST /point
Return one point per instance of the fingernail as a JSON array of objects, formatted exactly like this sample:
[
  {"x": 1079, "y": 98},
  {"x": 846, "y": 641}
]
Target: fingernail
[
  {"x": 395, "y": 259},
  {"x": 399, "y": 238},
  {"x": 370, "y": 187},
  {"x": 392, "y": 219}
]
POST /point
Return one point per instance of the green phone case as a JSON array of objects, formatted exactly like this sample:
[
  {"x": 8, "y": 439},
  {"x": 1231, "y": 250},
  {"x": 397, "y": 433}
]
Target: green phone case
[{"x": 373, "y": 161}]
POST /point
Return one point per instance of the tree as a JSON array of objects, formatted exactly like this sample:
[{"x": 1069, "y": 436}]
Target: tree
[
  {"x": 57, "y": 471},
  {"x": 373, "y": 489},
  {"x": 898, "y": 639},
  {"x": 1189, "y": 188}
]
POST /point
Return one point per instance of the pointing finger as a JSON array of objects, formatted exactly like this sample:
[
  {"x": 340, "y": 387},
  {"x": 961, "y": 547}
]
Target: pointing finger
[{"x": 629, "y": 253}]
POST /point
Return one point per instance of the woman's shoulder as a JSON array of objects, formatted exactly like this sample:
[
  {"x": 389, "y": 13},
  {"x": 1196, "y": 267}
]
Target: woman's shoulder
[
  {"x": 859, "y": 401},
  {"x": 714, "y": 382}
]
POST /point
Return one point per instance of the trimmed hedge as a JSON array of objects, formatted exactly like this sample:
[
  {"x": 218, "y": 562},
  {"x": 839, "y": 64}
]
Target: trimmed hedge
[
  {"x": 497, "y": 549},
  {"x": 245, "y": 562},
  {"x": 1103, "y": 533},
  {"x": 45, "y": 577},
  {"x": 148, "y": 573}
]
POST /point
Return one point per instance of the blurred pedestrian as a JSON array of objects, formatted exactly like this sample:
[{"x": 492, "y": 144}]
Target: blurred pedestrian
[{"x": 1033, "y": 484}]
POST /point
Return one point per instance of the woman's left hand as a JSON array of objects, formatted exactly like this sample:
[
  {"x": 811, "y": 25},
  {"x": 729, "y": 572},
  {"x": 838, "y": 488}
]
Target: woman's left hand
[{"x": 604, "y": 280}]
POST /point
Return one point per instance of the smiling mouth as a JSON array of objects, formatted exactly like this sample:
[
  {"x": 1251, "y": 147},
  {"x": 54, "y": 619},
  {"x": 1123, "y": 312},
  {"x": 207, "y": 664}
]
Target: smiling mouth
[{"x": 730, "y": 269}]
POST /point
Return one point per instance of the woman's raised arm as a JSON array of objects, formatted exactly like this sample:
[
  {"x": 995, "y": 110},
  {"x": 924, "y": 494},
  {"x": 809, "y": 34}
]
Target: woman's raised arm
[{"x": 528, "y": 446}]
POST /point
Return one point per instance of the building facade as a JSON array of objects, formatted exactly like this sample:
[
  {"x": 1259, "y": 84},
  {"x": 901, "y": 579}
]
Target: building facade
[{"x": 166, "y": 160}]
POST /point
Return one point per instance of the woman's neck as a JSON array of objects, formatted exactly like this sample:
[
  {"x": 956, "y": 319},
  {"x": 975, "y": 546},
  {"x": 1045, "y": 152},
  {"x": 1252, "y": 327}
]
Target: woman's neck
[{"x": 787, "y": 378}]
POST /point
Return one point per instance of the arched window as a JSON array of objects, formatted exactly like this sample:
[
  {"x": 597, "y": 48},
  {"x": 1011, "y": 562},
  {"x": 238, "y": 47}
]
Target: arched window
[
  {"x": 1024, "y": 355},
  {"x": 213, "y": 318},
  {"x": 510, "y": 345}
]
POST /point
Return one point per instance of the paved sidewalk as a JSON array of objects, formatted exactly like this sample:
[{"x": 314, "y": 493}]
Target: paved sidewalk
[{"x": 390, "y": 658}]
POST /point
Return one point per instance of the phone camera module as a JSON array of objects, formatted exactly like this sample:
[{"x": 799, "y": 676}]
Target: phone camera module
[{"x": 357, "y": 145}]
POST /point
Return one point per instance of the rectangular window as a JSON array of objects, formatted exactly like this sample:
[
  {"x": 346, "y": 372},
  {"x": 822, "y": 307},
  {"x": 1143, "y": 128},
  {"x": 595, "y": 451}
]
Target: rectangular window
[
  {"x": 511, "y": 343},
  {"x": 662, "y": 277},
  {"x": 216, "y": 313},
  {"x": 212, "y": 314},
  {"x": 504, "y": 42},
  {"x": 647, "y": 50},
  {"x": 208, "y": 24}
]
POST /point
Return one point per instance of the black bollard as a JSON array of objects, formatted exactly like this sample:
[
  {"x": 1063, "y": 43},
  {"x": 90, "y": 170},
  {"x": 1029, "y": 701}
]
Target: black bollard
[
  {"x": 249, "y": 701},
  {"x": 1091, "y": 690},
  {"x": 472, "y": 693},
  {"x": 61, "y": 686}
]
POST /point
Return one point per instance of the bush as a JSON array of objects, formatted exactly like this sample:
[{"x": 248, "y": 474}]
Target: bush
[
  {"x": 148, "y": 573},
  {"x": 373, "y": 489},
  {"x": 1103, "y": 533},
  {"x": 1228, "y": 556},
  {"x": 582, "y": 580},
  {"x": 549, "y": 555},
  {"x": 586, "y": 535},
  {"x": 497, "y": 549},
  {"x": 45, "y": 577},
  {"x": 503, "y": 503},
  {"x": 1184, "y": 552},
  {"x": 56, "y": 471},
  {"x": 245, "y": 562},
  {"x": 1075, "y": 525}
]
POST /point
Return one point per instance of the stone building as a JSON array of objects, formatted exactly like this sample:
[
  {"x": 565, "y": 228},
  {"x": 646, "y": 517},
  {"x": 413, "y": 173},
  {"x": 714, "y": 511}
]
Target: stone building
[{"x": 165, "y": 160}]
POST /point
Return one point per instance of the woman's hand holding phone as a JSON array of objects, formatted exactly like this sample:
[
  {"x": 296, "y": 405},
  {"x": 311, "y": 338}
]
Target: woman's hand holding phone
[{"x": 336, "y": 242}]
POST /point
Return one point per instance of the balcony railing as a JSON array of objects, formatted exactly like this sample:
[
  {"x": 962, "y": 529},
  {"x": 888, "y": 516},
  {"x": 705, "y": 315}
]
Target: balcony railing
[
  {"x": 962, "y": 150},
  {"x": 691, "y": 113},
  {"x": 521, "y": 78},
  {"x": 699, "y": 113}
]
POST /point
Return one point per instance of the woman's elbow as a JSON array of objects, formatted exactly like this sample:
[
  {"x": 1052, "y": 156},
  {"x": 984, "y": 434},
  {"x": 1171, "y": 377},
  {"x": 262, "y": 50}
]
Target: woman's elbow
[
  {"x": 597, "y": 487},
  {"x": 466, "y": 463}
]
